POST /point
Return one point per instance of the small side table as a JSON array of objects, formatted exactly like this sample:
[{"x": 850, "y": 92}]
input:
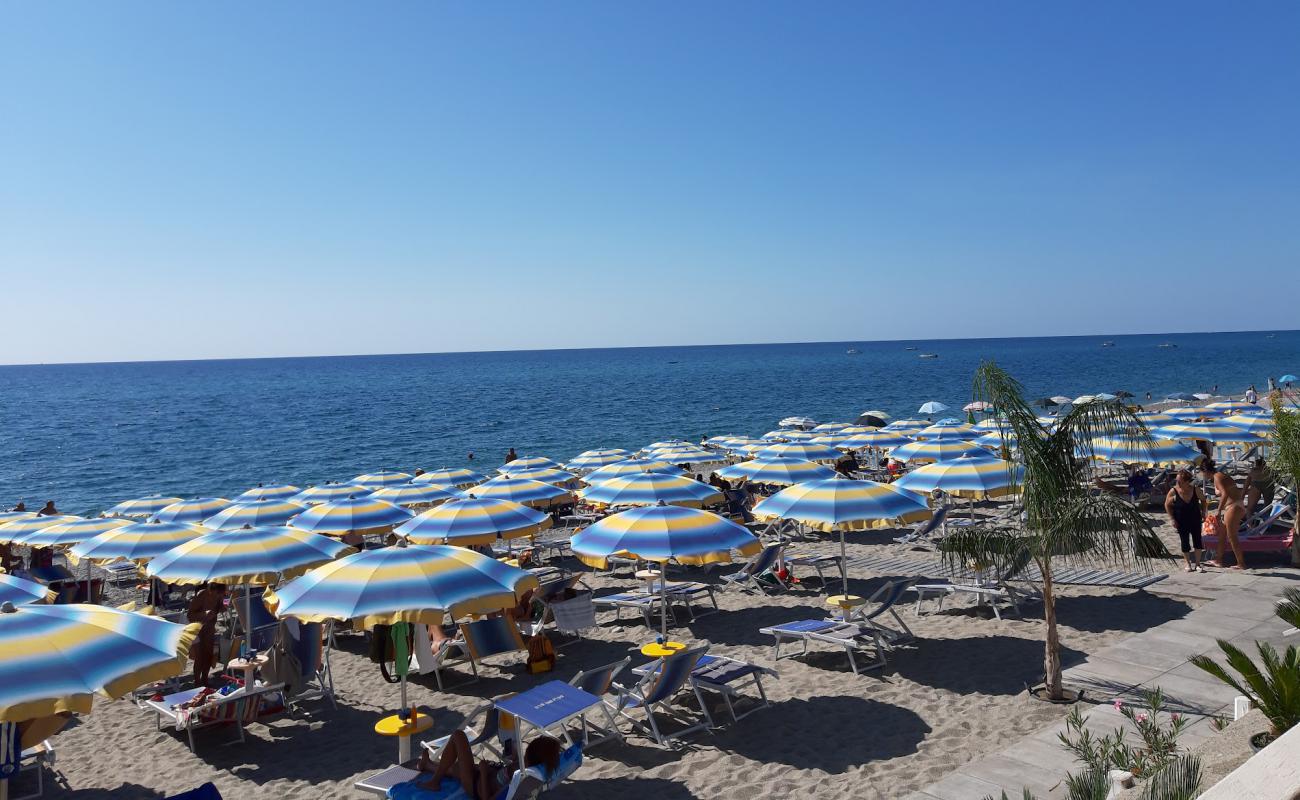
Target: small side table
[
  {"x": 404, "y": 728},
  {"x": 249, "y": 667},
  {"x": 657, "y": 650},
  {"x": 845, "y": 603}
]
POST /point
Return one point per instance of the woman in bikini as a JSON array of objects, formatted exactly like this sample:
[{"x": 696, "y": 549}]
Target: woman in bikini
[
  {"x": 1232, "y": 510},
  {"x": 1185, "y": 504}
]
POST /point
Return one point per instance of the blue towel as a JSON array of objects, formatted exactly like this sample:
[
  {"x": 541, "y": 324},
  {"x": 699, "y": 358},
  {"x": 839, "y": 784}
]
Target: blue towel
[{"x": 449, "y": 789}]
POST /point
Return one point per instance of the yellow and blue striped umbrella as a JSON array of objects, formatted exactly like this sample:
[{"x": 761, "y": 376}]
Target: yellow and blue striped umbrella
[
  {"x": 54, "y": 658},
  {"x": 649, "y": 489},
  {"x": 881, "y": 438},
  {"x": 687, "y": 455},
  {"x": 591, "y": 459},
  {"x": 907, "y": 427},
  {"x": 629, "y": 466},
  {"x": 455, "y": 477},
  {"x": 18, "y": 591},
  {"x": 668, "y": 444},
  {"x": 857, "y": 430},
  {"x": 1187, "y": 414},
  {"x": 1215, "y": 431},
  {"x": 282, "y": 491},
  {"x": 139, "y": 542},
  {"x": 329, "y": 492},
  {"x": 779, "y": 470},
  {"x": 739, "y": 444},
  {"x": 997, "y": 440},
  {"x": 1152, "y": 419},
  {"x": 1261, "y": 424},
  {"x": 66, "y": 534},
  {"x": 555, "y": 477},
  {"x": 13, "y": 516},
  {"x": 944, "y": 450},
  {"x": 18, "y": 528},
  {"x": 831, "y": 427},
  {"x": 523, "y": 490},
  {"x": 416, "y": 494},
  {"x": 248, "y": 555},
  {"x": 1236, "y": 407},
  {"x": 946, "y": 432},
  {"x": 836, "y": 439},
  {"x": 663, "y": 533},
  {"x": 141, "y": 507},
  {"x": 787, "y": 435},
  {"x": 473, "y": 521},
  {"x": 254, "y": 513},
  {"x": 382, "y": 478},
  {"x": 192, "y": 511},
  {"x": 419, "y": 584},
  {"x": 808, "y": 451},
  {"x": 528, "y": 462},
  {"x": 973, "y": 477},
  {"x": 366, "y": 514},
  {"x": 989, "y": 425},
  {"x": 1130, "y": 451}
]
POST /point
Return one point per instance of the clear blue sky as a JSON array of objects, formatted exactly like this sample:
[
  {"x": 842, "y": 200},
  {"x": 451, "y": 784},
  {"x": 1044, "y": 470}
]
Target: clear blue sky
[{"x": 183, "y": 180}]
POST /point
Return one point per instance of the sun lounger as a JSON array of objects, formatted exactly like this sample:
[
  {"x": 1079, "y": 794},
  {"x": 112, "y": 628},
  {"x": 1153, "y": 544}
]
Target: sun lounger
[
  {"x": 495, "y": 734},
  {"x": 640, "y": 602},
  {"x": 817, "y": 562},
  {"x": 656, "y": 690},
  {"x": 990, "y": 592},
  {"x": 240, "y": 707},
  {"x": 1259, "y": 536},
  {"x": 600, "y": 682},
  {"x": 727, "y": 677},
  {"x": 475, "y": 641},
  {"x": 853, "y": 637},
  {"x": 924, "y": 532},
  {"x": 526, "y": 784},
  {"x": 882, "y": 604},
  {"x": 30, "y": 759},
  {"x": 760, "y": 572}
]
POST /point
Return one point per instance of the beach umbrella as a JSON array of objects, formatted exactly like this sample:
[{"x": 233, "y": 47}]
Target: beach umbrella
[
  {"x": 687, "y": 455},
  {"x": 329, "y": 492},
  {"x": 1105, "y": 396},
  {"x": 967, "y": 476},
  {"x": 1153, "y": 418},
  {"x": 254, "y": 513},
  {"x": 881, "y": 438},
  {"x": 945, "y": 450},
  {"x": 1234, "y": 407},
  {"x": 192, "y": 511},
  {"x": 473, "y": 521},
  {"x": 797, "y": 422},
  {"x": 839, "y": 505},
  {"x": 1083, "y": 398},
  {"x": 649, "y": 489},
  {"x": 719, "y": 441},
  {"x": 247, "y": 555},
  {"x": 629, "y": 466},
  {"x": 361, "y": 515},
  {"x": 19, "y": 527},
  {"x": 997, "y": 440},
  {"x": 141, "y": 507},
  {"x": 1202, "y": 395},
  {"x": 989, "y": 424},
  {"x": 873, "y": 419},
  {"x": 778, "y": 470},
  {"x": 834, "y": 439},
  {"x": 855, "y": 430},
  {"x": 667, "y": 444},
  {"x": 831, "y": 426},
  {"x": 18, "y": 591},
  {"x": 416, "y": 494},
  {"x": 382, "y": 478},
  {"x": 1215, "y": 431},
  {"x": 66, "y": 534},
  {"x": 1260, "y": 424},
  {"x": 908, "y": 426},
  {"x": 522, "y": 490},
  {"x": 54, "y": 658},
  {"x": 1132, "y": 451},
  {"x": 1288, "y": 378},
  {"x": 457, "y": 477},
  {"x": 1046, "y": 402},
  {"x": 932, "y": 407},
  {"x": 137, "y": 542},
  {"x": 555, "y": 477},
  {"x": 1184, "y": 397},
  {"x": 661, "y": 534},
  {"x": 529, "y": 462},
  {"x": 790, "y": 435},
  {"x": 808, "y": 451},
  {"x": 259, "y": 492},
  {"x": 1061, "y": 400},
  {"x": 978, "y": 405},
  {"x": 946, "y": 431},
  {"x": 1183, "y": 414},
  {"x": 591, "y": 459},
  {"x": 14, "y": 516}
]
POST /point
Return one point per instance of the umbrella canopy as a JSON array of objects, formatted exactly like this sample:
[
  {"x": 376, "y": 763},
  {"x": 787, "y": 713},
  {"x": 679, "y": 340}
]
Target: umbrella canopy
[
  {"x": 997, "y": 440},
  {"x": 141, "y": 507},
  {"x": 945, "y": 450},
  {"x": 254, "y": 513},
  {"x": 940, "y": 432},
  {"x": 808, "y": 451},
  {"x": 989, "y": 424},
  {"x": 329, "y": 492},
  {"x": 66, "y": 534},
  {"x": 555, "y": 477},
  {"x": 1129, "y": 451},
  {"x": 18, "y": 591},
  {"x": 1288, "y": 378},
  {"x": 797, "y": 422},
  {"x": 248, "y": 555},
  {"x": 908, "y": 426},
  {"x": 591, "y": 459},
  {"x": 632, "y": 465},
  {"x": 1233, "y": 407},
  {"x": 780, "y": 470},
  {"x": 831, "y": 426},
  {"x": 881, "y": 438},
  {"x": 457, "y": 477},
  {"x": 661, "y": 534},
  {"x": 351, "y": 515},
  {"x": 1185, "y": 397},
  {"x": 965, "y": 477},
  {"x": 837, "y": 439},
  {"x": 259, "y": 492},
  {"x": 196, "y": 510},
  {"x": 978, "y": 405},
  {"x": 473, "y": 521},
  {"x": 837, "y": 504},
  {"x": 649, "y": 489},
  {"x": 416, "y": 494},
  {"x": 522, "y": 490},
  {"x": 668, "y": 444},
  {"x": 788, "y": 435},
  {"x": 1105, "y": 396},
  {"x": 382, "y": 478},
  {"x": 873, "y": 419},
  {"x": 1255, "y": 423},
  {"x": 53, "y": 658},
  {"x": 1186, "y": 413},
  {"x": 529, "y": 462},
  {"x": 1153, "y": 418},
  {"x": 139, "y": 542},
  {"x": 1061, "y": 400},
  {"x": 932, "y": 407},
  {"x": 19, "y": 527},
  {"x": 417, "y": 584},
  {"x": 1083, "y": 398},
  {"x": 1215, "y": 431},
  {"x": 687, "y": 455}
]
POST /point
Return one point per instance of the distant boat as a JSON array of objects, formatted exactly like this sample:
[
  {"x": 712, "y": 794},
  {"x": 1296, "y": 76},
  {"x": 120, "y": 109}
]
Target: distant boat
[
  {"x": 1107, "y": 344},
  {"x": 1166, "y": 344},
  {"x": 853, "y": 351},
  {"x": 1271, "y": 336},
  {"x": 909, "y": 348},
  {"x": 928, "y": 355}
]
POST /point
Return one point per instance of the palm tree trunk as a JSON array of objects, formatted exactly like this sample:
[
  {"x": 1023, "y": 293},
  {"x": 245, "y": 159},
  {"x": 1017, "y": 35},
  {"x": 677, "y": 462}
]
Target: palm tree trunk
[{"x": 1052, "y": 654}]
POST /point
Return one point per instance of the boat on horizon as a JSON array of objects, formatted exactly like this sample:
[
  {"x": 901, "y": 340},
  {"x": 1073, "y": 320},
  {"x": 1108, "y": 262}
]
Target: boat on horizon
[
  {"x": 909, "y": 348},
  {"x": 928, "y": 355},
  {"x": 1166, "y": 344},
  {"x": 1107, "y": 344}
]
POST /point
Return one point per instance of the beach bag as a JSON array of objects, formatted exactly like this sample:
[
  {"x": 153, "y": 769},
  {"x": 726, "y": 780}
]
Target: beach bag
[
  {"x": 541, "y": 654},
  {"x": 1212, "y": 525}
]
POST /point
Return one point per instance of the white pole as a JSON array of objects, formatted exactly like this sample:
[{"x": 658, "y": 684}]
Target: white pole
[
  {"x": 663, "y": 588},
  {"x": 844, "y": 564}
]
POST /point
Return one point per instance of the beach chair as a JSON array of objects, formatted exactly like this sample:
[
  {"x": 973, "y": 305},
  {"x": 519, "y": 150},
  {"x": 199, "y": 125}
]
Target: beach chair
[
  {"x": 526, "y": 784},
  {"x": 600, "y": 682},
  {"x": 30, "y": 759},
  {"x": 924, "y": 533},
  {"x": 305, "y": 641},
  {"x": 885, "y": 599},
  {"x": 853, "y": 637},
  {"x": 240, "y": 707},
  {"x": 638, "y": 601},
  {"x": 259, "y": 631},
  {"x": 122, "y": 572},
  {"x": 495, "y": 734},
  {"x": 766, "y": 563},
  {"x": 1258, "y": 536},
  {"x": 990, "y": 592},
  {"x": 727, "y": 677},
  {"x": 655, "y": 691},
  {"x": 688, "y": 593},
  {"x": 207, "y": 791},
  {"x": 476, "y": 641},
  {"x": 817, "y": 562}
]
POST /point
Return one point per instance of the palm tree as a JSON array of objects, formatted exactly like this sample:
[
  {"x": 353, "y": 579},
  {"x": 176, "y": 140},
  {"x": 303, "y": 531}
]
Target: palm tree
[{"x": 1063, "y": 517}]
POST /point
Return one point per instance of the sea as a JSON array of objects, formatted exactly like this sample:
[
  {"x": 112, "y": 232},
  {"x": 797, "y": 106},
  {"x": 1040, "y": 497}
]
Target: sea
[{"x": 90, "y": 435}]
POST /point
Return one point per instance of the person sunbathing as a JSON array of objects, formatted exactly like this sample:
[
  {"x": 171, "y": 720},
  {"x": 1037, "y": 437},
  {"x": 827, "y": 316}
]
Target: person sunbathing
[{"x": 482, "y": 780}]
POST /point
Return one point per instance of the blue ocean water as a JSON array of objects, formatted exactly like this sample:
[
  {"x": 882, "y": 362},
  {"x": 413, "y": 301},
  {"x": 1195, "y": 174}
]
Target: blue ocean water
[{"x": 89, "y": 435}]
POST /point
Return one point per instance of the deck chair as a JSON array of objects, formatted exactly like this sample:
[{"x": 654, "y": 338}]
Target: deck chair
[
  {"x": 853, "y": 637},
  {"x": 992, "y": 592},
  {"x": 476, "y": 641},
  {"x": 924, "y": 533},
  {"x": 30, "y": 759},
  {"x": 640, "y": 602},
  {"x": 817, "y": 562},
  {"x": 726, "y": 676},
  {"x": 1258, "y": 536},
  {"x": 495, "y": 734},
  {"x": 885, "y": 599},
  {"x": 766, "y": 563},
  {"x": 259, "y": 631},
  {"x": 655, "y": 691},
  {"x": 600, "y": 682},
  {"x": 687, "y": 593},
  {"x": 240, "y": 707},
  {"x": 306, "y": 643}
]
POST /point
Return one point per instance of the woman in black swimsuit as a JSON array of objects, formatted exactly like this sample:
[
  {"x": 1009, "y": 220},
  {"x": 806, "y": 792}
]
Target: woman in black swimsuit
[{"x": 1185, "y": 505}]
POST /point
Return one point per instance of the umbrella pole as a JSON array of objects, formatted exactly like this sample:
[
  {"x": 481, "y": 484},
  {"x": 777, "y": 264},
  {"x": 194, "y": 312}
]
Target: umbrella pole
[
  {"x": 248, "y": 620},
  {"x": 663, "y": 589},
  {"x": 844, "y": 563},
  {"x": 88, "y": 580}
]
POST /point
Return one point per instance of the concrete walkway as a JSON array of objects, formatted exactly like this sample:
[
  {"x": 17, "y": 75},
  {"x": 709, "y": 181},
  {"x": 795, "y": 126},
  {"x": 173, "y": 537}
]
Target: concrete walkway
[{"x": 1237, "y": 606}]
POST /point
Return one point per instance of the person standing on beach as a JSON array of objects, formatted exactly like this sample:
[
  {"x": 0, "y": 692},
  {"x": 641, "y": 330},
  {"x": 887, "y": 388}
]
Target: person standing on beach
[
  {"x": 204, "y": 609},
  {"x": 49, "y": 510},
  {"x": 1231, "y": 512},
  {"x": 511, "y": 456},
  {"x": 1185, "y": 505},
  {"x": 1252, "y": 396}
]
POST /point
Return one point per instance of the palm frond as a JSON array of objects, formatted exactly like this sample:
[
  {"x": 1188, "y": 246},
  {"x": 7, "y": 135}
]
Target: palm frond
[
  {"x": 1180, "y": 779},
  {"x": 1288, "y": 608}
]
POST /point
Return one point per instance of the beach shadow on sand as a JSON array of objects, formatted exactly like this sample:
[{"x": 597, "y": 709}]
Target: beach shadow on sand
[
  {"x": 127, "y": 791},
  {"x": 1002, "y": 665},
  {"x": 740, "y": 626},
  {"x": 602, "y": 788},
  {"x": 1135, "y": 612}
]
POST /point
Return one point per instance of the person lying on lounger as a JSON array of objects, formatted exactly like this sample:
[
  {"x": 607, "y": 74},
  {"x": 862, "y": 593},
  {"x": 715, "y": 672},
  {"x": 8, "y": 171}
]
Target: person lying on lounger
[{"x": 483, "y": 780}]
